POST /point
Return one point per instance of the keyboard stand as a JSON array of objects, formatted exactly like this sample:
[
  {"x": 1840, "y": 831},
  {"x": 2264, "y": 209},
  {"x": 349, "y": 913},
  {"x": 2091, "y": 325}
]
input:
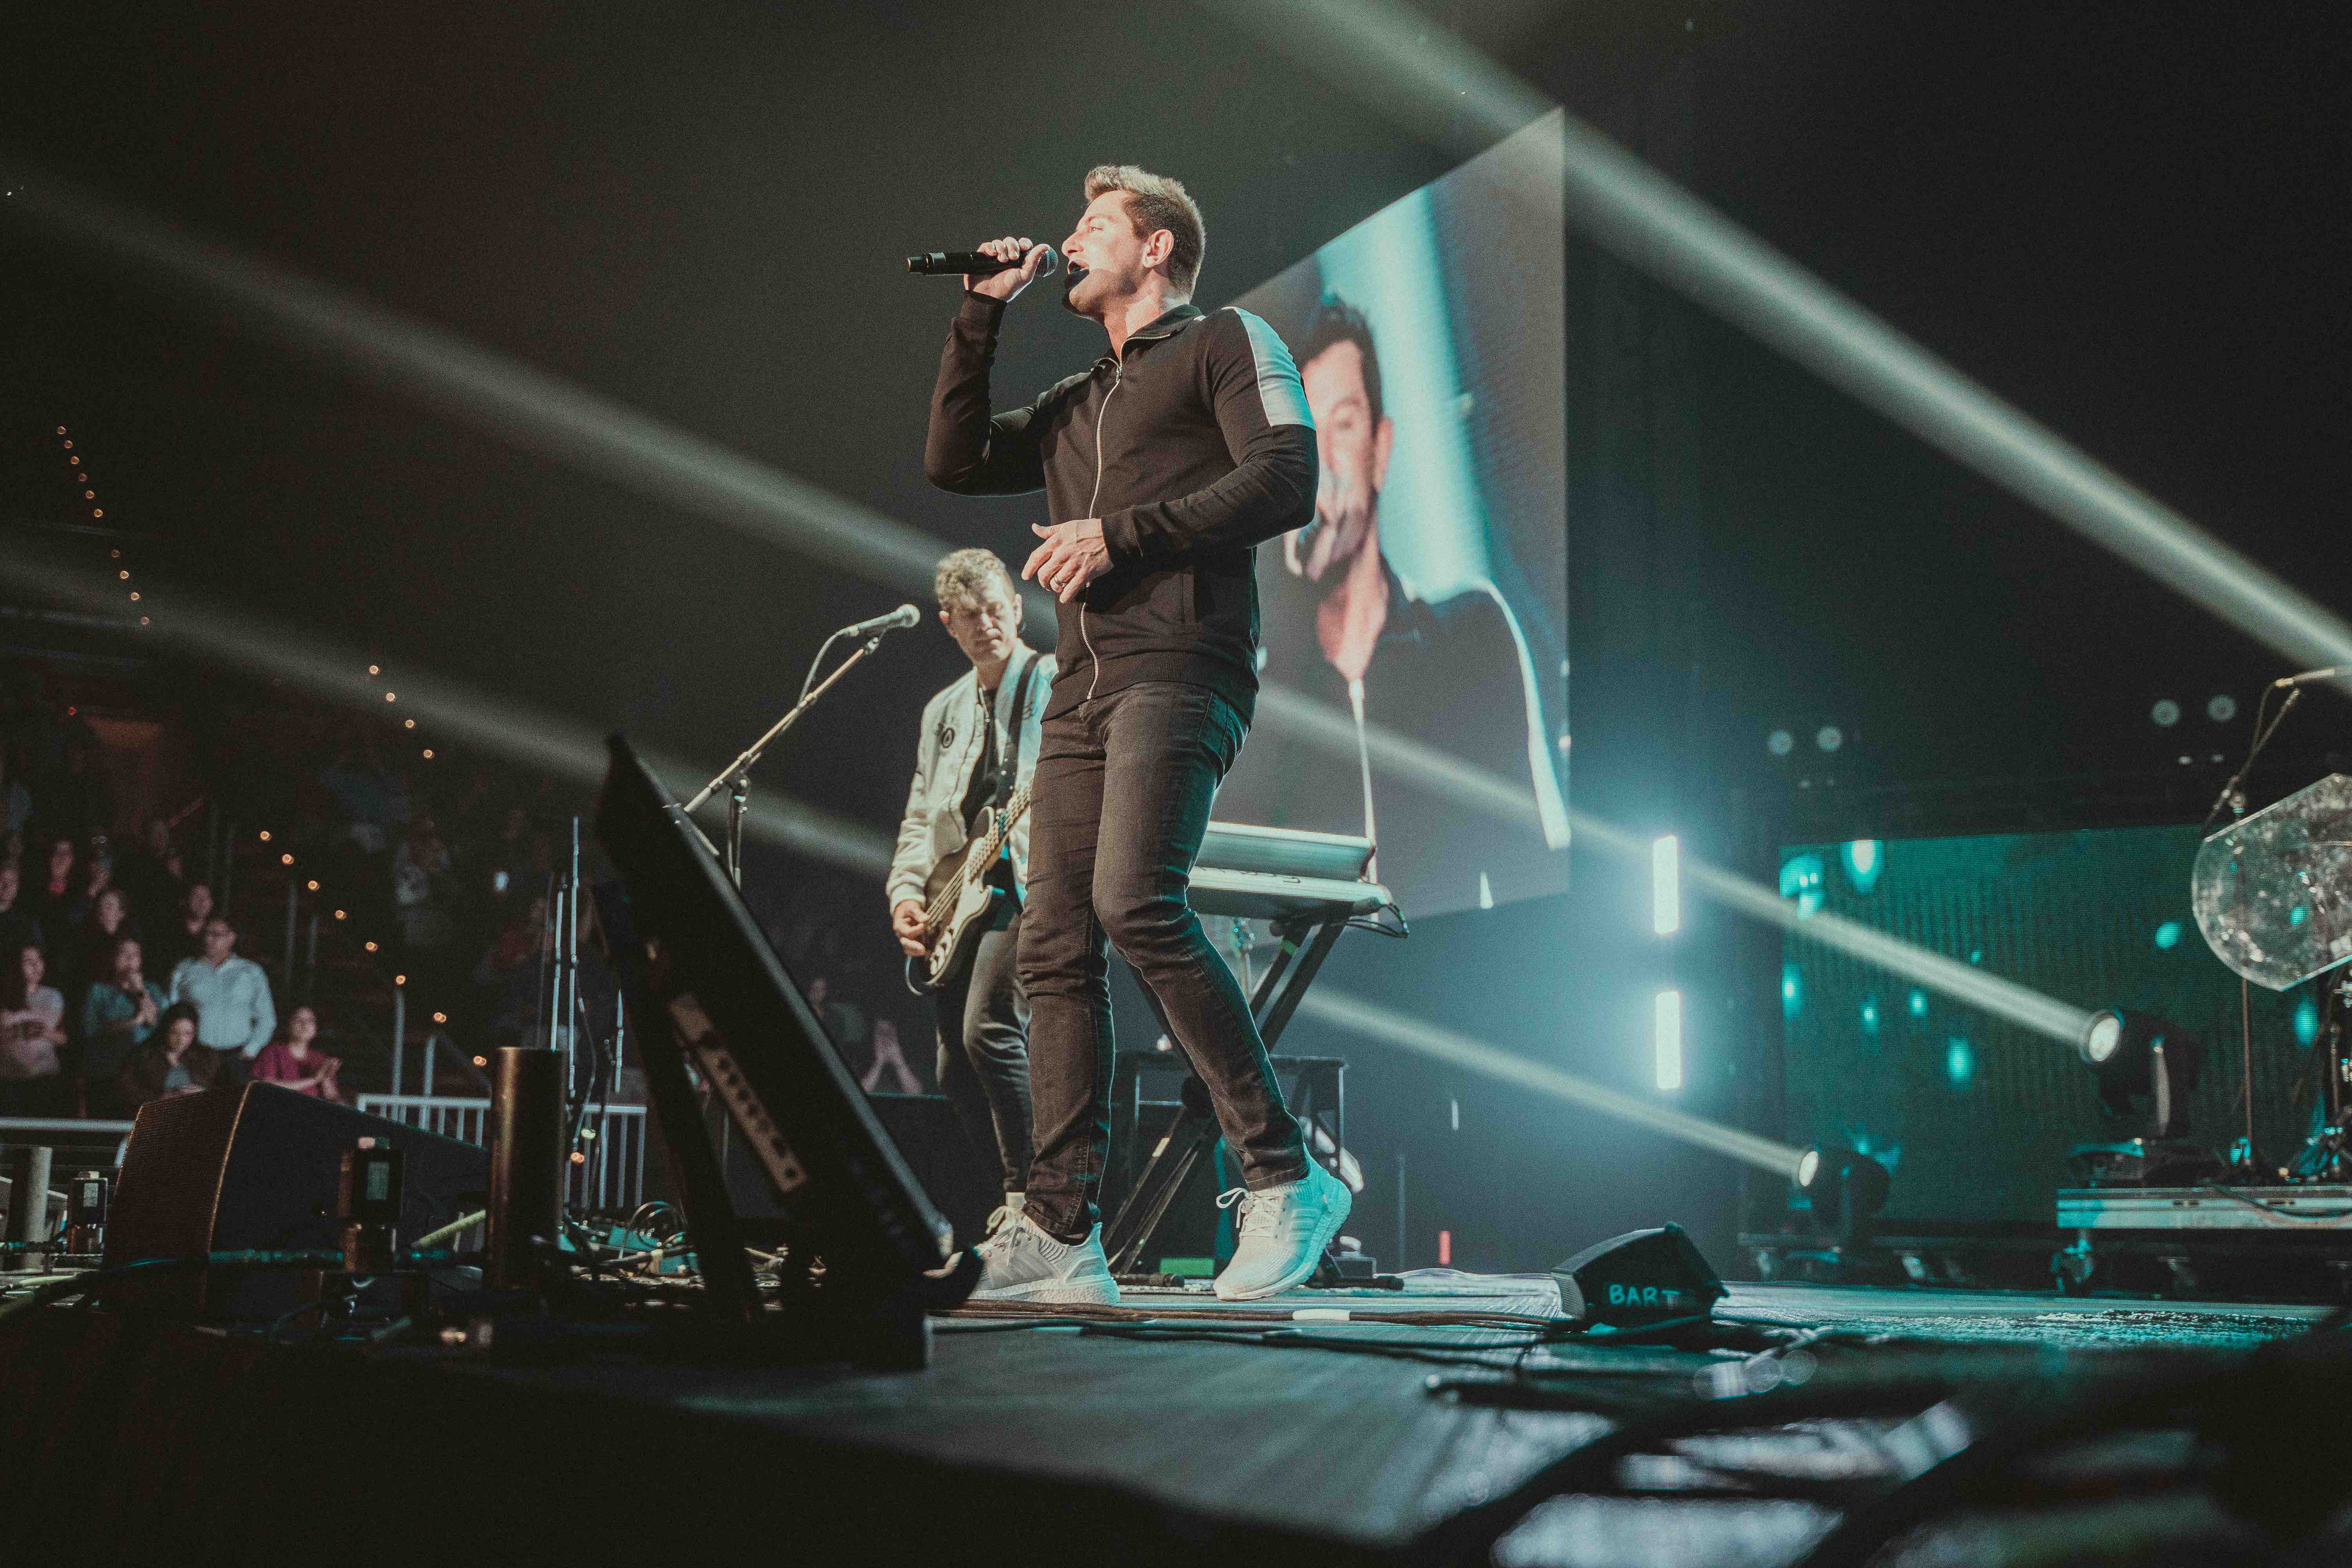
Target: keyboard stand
[{"x": 1306, "y": 935}]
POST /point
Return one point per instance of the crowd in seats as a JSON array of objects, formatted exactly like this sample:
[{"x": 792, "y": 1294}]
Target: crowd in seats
[
  {"x": 124, "y": 977},
  {"x": 120, "y": 981}
]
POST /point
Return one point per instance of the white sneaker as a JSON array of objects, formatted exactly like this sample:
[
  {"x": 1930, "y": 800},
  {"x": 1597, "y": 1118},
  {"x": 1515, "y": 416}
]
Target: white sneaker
[
  {"x": 1005, "y": 1213},
  {"x": 1283, "y": 1231},
  {"x": 1022, "y": 1263}
]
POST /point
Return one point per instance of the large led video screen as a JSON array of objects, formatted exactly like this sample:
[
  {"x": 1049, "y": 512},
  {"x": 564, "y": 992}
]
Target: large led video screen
[
  {"x": 1422, "y": 615},
  {"x": 1974, "y": 1114}
]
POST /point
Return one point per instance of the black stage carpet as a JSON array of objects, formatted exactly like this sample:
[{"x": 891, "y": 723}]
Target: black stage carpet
[{"x": 121, "y": 1442}]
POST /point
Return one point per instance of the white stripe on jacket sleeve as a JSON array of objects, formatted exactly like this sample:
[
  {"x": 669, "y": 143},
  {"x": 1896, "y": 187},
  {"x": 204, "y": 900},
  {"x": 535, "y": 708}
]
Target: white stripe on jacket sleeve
[{"x": 1279, "y": 388}]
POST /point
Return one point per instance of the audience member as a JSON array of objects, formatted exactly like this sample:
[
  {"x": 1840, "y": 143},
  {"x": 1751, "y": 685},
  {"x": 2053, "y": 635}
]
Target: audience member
[
  {"x": 17, "y": 926},
  {"x": 290, "y": 1061},
  {"x": 32, "y": 1027},
  {"x": 97, "y": 869},
  {"x": 889, "y": 1058},
  {"x": 185, "y": 936},
  {"x": 117, "y": 1016},
  {"x": 844, "y": 1020},
  {"x": 93, "y": 950},
  {"x": 16, "y": 806},
  {"x": 512, "y": 976},
  {"x": 79, "y": 804},
  {"x": 172, "y": 1061},
  {"x": 58, "y": 901},
  {"x": 420, "y": 872},
  {"x": 503, "y": 865},
  {"x": 151, "y": 872},
  {"x": 368, "y": 795},
  {"x": 235, "y": 1014}
]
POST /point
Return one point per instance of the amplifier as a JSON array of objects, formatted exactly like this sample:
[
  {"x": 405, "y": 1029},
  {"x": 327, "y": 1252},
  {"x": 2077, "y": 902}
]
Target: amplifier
[{"x": 256, "y": 1167}]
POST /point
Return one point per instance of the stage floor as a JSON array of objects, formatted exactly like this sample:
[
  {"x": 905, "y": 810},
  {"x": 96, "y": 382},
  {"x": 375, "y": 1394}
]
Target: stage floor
[
  {"x": 1357, "y": 1451},
  {"x": 1150, "y": 1442}
]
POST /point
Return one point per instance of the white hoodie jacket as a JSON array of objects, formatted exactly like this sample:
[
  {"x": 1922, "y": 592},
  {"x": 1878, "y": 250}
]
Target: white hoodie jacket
[{"x": 946, "y": 755}]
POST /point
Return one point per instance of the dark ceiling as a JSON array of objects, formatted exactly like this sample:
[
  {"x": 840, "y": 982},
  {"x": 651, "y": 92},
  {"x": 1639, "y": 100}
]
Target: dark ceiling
[{"x": 2128, "y": 218}]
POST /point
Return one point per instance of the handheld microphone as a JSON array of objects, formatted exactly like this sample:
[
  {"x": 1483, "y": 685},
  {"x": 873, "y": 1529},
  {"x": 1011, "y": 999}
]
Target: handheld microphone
[
  {"x": 904, "y": 619},
  {"x": 2308, "y": 675},
  {"x": 976, "y": 264}
]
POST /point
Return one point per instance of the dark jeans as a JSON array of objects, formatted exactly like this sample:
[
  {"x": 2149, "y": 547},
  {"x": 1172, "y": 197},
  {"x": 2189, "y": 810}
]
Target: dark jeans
[
  {"x": 1124, "y": 785},
  {"x": 983, "y": 1029}
]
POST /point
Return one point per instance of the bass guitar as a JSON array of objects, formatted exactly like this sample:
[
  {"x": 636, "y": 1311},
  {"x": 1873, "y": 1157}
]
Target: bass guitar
[{"x": 961, "y": 897}]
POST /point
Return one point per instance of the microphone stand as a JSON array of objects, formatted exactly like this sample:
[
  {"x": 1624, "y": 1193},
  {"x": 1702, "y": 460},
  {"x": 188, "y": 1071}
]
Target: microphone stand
[
  {"x": 737, "y": 775},
  {"x": 2231, "y": 796}
]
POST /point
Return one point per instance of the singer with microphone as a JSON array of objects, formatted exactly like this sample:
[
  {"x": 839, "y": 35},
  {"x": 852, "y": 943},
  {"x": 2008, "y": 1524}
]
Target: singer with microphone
[
  {"x": 977, "y": 750},
  {"x": 1163, "y": 465}
]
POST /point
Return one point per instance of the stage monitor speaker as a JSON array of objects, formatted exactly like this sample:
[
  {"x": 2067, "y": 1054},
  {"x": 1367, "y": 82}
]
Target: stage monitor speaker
[
  {"x": 1641, "y": 1278},
  {"x": 703, "y": 987},
  {"x": 256, "y": 1167}
]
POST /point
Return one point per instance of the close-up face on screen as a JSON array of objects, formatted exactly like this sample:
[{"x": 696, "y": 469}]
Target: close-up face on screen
[{"x": 1425, "y": 606}]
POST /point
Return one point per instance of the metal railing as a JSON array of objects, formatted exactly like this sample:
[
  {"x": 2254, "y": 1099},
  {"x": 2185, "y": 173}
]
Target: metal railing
[{"x": 612, "y": 1176}]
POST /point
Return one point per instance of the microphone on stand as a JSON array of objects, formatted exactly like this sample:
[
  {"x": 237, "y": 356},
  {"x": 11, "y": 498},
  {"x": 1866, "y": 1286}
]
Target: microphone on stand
[
  {"x": 2308, "y": 675},
  {"x": 977, "y": 264},
  {"x": 905, "y": 617}
]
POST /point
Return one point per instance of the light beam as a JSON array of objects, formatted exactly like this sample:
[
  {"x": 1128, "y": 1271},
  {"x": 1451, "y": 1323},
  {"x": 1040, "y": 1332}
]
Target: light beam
[
  {"x": 1373, "y": 1021},
  {"x": 534, "y": 739},
  {"x": 1438, "y": 87}
]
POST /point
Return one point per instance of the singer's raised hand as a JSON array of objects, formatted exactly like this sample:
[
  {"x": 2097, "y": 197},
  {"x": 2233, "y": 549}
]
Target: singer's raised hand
[{"x": 1006, "y": 285}]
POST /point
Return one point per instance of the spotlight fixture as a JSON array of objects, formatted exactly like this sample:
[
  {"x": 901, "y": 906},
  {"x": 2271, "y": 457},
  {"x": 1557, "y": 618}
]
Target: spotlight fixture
[
  {"x": 2142, "y": 1059},
  {"x": 1847, "y": 1187},
  {"x": 2139, "y": 1056}
]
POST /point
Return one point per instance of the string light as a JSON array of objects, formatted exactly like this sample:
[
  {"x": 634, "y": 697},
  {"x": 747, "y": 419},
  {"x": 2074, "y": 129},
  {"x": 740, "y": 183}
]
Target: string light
[
  {"x": 315, "y": 885},
  {"x": 89, "y": 493}
]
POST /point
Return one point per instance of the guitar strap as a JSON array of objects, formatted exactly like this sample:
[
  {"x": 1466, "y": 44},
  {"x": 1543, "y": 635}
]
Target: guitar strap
[{"x": 1019, "y": 720}]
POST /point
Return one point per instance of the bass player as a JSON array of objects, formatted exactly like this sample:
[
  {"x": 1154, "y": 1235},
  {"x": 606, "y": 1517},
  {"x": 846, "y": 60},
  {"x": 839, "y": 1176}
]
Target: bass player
[{"x": 978, "y": 748}]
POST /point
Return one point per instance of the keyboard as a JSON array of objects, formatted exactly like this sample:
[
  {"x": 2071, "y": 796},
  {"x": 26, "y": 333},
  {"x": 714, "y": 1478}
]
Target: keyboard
[{"x": 1280, "y": 873}]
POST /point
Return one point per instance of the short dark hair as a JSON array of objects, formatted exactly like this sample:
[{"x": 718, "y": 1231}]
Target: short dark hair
[
  {"x": 1155, "y": 201},
  {"x": 1335, "y": 322},
  {"x": 173, "y": 1013}
]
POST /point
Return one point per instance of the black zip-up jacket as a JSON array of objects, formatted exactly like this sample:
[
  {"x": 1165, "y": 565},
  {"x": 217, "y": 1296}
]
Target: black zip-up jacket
[{"x": 1192, "y": 446}]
